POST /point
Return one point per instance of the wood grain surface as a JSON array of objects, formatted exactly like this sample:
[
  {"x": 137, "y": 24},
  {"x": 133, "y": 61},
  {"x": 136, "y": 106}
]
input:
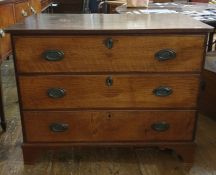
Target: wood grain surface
[
  {"x": 109, "y": 23},
  {"x": 36, "y": 4},
  {"x": 91, "y": 91},
  {"x": 90, "y": 54},
  {"x": 19, "y": 7},
  {"x": 109, "y": 126}
]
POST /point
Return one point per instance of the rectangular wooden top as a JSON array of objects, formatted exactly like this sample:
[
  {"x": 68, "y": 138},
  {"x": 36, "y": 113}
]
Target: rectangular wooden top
[{"x": 108, "y": 23}]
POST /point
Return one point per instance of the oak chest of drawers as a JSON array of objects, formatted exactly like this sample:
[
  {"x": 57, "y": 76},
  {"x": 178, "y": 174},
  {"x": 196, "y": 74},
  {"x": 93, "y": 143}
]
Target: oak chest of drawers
[{"x": 117, "y": 80}]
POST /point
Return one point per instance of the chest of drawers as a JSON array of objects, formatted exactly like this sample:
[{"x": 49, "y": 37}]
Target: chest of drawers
[{"x": 117, "y": 80}]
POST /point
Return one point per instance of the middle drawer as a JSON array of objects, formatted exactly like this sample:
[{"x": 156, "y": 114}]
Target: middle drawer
[{"x": 105, "y": 91}]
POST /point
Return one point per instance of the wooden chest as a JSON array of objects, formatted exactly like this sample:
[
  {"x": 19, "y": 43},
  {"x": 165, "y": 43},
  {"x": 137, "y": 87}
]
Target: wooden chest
[{"x": 117, "y": 80}]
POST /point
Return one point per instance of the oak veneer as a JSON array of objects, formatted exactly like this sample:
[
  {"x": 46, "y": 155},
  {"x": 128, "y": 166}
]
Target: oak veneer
[
  {"x": 91, "y": 91},
  {"x": 109, "y": 126},
  {"x": 135, "y": 55}
]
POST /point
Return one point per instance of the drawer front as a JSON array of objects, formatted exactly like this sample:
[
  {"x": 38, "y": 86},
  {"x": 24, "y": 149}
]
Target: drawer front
[
  {"x": 172, "y": 53},
  {"x": 103, "y": 91},
  {"x": 21, "y": 11},
  {"x": 105, "y": 126}
]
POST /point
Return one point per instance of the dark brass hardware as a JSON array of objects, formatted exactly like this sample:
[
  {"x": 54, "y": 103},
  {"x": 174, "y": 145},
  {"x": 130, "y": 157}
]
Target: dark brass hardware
[
  {"x": 165, "y": 54},
  {"x": 109, "y": 81},
  {"x": 109, "y": 43},
  {"x": 53, "y": 55},
  {"x": 160, "y": 126},
  {"x": 56, "y": 92},
  {"x": 163, "y": 91},
  {"x": 59, "y": 127}
]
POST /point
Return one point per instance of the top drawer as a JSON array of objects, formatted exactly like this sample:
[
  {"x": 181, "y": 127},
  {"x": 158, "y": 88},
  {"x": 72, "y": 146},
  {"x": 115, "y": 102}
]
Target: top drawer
[{"x": 161, "y": 53}]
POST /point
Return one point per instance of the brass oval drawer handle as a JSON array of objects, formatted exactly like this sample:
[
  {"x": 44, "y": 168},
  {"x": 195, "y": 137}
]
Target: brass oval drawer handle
[
  {"x": 2, "y": 33},
  {"x": 160, "y": 126},
  {"x": 53, "y": 55},
  {"x": 162, "y": 91},
  {"x": 109, "y": 81},
  {"x": 56, "y": 92},
  {"x": 24, "y": 13},
  {"x": 165, "y": 54},
  {"x": 59, "y": 127},
  {"x": 109, "y": 43}
]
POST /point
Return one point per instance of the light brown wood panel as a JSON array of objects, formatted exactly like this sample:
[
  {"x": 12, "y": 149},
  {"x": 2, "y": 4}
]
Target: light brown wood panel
[
  {"x": 91, "y": 91},
  {"x": 89, "y": 53},
  {"x": 108, "y": 126},
  {"x": 36, "y": 5},
  {"x": 22, "y": 10},
  {"x": 6, "y": 19}
]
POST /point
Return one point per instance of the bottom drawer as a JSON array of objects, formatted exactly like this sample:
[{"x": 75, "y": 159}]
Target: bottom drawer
[{"x": 108, "y": 126}]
